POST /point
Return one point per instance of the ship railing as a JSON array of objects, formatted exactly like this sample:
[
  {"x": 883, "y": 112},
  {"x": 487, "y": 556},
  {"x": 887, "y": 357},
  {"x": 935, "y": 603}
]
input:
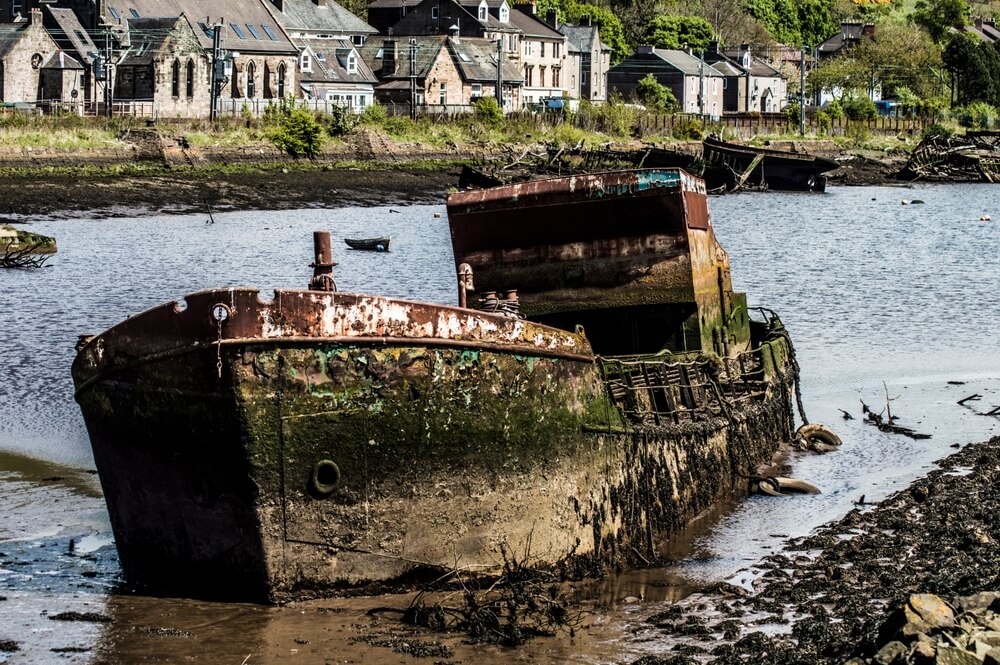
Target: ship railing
[{"x": 663, "y": 389}]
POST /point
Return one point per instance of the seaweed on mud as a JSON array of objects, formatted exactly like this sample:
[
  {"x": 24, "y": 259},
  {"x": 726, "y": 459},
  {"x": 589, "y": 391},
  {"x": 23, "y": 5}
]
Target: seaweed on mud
[
  {"x": 521, "y": 603},
  {"x": 93, "y": 617},
  {"x": 936, "y": 536},
  {"x": 9, "y": 646}
]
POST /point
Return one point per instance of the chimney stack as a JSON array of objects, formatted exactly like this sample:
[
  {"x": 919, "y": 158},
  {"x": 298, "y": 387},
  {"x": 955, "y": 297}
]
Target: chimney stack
[
  {"x": 585, "y": 21},
  {"x": 551, "y": 17}
]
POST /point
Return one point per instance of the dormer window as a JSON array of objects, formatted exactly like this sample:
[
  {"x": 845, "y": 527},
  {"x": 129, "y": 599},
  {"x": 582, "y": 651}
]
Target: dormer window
[
  {"x": 483, "y": 11},
  {"x": 435, "y": 12},
  {"x": 305, "y": 62},
  {"x": 504, "y": 13},
  {"x": 352, "y": 63}
]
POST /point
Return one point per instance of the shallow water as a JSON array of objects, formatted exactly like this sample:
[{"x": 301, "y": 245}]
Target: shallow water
[{"x": 882, "y": 300}]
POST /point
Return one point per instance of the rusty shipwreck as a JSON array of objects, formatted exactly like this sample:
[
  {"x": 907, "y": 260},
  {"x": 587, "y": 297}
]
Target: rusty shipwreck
[{"x": 321, "y": 441}]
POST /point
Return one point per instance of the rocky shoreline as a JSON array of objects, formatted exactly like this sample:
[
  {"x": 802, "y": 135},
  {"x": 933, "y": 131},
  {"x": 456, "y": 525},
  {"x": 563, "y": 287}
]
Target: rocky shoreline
[{"x": 899, "y": 582}]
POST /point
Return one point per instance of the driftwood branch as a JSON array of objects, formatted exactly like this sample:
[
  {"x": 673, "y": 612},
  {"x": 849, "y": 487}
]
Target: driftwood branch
[
  {"x": 24, "y": 257},
  {"x": 886, "y": 424}
]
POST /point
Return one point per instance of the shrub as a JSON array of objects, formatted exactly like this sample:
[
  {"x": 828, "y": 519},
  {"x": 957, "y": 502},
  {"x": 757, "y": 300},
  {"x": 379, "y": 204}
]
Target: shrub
[
  {"x": 655, "y": 96},
  {"x": 688, "y": 129},
  {"x": 937, "y": 129},
  {"x": 338, "y": 121},
  {"x": 374, "y": 114},
  {"x": 978, "y": 115},
  {"x": 299, "y": 134},
  {"x": 792, "y": 112},
  {"x": 835, "y": 110},
  {"x": 488, "y": 111},
  {"x": 859, "y": 107},
  {"x": 618, "y": 118},
  {"x": 823, "y": 121}
]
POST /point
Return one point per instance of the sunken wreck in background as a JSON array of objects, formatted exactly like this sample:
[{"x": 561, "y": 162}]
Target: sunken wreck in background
[{"x": 320, "y": 441}]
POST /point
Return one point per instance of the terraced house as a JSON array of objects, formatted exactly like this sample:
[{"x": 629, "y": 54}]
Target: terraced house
[{"x": 525, "y": 42}]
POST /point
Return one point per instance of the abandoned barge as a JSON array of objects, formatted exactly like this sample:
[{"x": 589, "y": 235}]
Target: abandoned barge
[{"x": 321, "y": 442}]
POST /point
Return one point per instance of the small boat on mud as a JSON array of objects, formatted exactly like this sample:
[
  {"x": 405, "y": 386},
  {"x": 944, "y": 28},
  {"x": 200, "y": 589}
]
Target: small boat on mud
[
  {"x": 740, "y": 166},
  {"x": 599, "y": 384},
  {"x": 369, "y": 244},
  {"x": 974, "y": 157},
  {"x": 723, "y": 165}
]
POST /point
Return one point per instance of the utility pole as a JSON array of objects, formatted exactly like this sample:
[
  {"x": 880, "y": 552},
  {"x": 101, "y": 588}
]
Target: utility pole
[
  {"x": 499, "y": 91},
  {"x": 107, "y": 71},
  {"x": 413, "y": 79},
  {"x": 218, "y": 70},
  {"x": 701, "y": 86},
  {"x": 802, "y": 94}
]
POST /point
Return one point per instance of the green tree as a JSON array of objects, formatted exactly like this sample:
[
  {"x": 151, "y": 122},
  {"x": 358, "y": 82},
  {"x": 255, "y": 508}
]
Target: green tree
[
  {"x": 655, "y": 96},
  {"x": 975, "y": 69},
  {"x": 937, "y": 16},
  {"x": 779, "y": 17},
  {"x": 678, "y": 32},
  {"x": 298, "y": 133},
  {"x": 609, "y": 26},
  {"x": 816, "y": 21}
]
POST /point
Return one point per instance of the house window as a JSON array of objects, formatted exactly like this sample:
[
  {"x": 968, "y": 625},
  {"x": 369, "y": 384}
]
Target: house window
[
  {"x": 175, "y": 79},
  {"x": 541, "y": 75},
  {"x": 434, "y": 12},
  {"x": 251, "y": 83},
  {"x": 528, "y": 75},
  {"x": 358, "y": 40},
  {"x": 237, "y": 30},
  {"x": 305, "y": 62},
  {"x": 236, "y": 84},
  {"x": 253, "y": 31},
  {"x": 541, "y": 53},
  {"x": 135, "y": 13},
  {"x": 555, "y": 77},
  {"x": 477, "y": 90},
  {"x": 443, "y": 94},
  {"x": 511, "y": 44},
  {"x": 352, "y": 63},
  {"x": 269, "y": 32},
  {"x": 267, "y": 81},
  {"x": 420, "y": 99},
  {"x": 190, "y": 79},
  {"x": 114, "y": 13},
  {"x": 483, "y": 11},
  {"x": 281, "y": 79},
  {"x": 556, "y": 50},
  {"x": 583, "y": 78},
  {"x": 504, "y": 13}
]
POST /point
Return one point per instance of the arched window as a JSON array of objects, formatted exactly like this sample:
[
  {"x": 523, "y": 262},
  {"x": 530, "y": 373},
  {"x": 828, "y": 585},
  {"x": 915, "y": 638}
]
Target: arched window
[
  {"x": 251, "y": 84},
  {"x": 190, "y": 79},
  {"x": 267, "y": 81},
  {"x": 175, "y": 79},
  {"x": 281, "y": 79},
  {"x": 236, "y": 82}
]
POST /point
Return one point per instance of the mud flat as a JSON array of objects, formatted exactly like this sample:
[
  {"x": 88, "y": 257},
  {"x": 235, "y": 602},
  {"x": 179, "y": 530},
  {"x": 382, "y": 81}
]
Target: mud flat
[{"x": 826, "y": 597}]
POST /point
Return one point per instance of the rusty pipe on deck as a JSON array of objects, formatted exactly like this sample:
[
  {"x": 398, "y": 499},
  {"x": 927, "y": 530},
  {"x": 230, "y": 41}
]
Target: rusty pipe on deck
[{"x": 323, "y": 263}]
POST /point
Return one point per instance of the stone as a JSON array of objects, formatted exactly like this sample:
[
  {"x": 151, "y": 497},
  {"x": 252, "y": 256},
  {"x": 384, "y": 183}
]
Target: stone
[
  {"x": 992, "y": 657},
  {"x": 925, "y": 612},
  {"x": 893, "y": 652},
  {"x": 923, "y": 650},
  {"x": 955, "y": 656}
]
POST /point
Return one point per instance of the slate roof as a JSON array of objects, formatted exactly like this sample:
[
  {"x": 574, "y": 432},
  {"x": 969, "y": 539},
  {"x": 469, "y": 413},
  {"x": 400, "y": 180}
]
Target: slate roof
[
  {"x": 242, "y": 20},
  {"x": 306, "y": 15},
  {"x": 330, "y": 62},
  {"x": 850, "y": 33},
  {"x": 532, "y": 26},
  {"x": 683, "y": 62},
  {"x": 70, "y": 33},
  {"x": 582, "y": 38},
  {"x": 10, "y": 34},
  {"x": 61, "y": 60},
  {"x": 472, "y": 57},
  {"x": 146, "y": 38}
]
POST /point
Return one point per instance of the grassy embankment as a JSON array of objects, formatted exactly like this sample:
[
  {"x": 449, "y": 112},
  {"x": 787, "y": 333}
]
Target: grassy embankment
[{"x": 423, "y": 143}]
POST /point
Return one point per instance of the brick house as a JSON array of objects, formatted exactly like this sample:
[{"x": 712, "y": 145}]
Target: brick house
[
  {"x": 697, "y": 86},
  {"x": 448, "y": 73},
  {"x": 164, "y": 64},
  {"x": 25, "y": 47}
]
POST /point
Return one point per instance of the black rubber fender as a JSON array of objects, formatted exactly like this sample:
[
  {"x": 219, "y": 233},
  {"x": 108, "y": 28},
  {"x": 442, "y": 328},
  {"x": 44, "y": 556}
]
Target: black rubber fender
[{"x": 324, "y": 478}]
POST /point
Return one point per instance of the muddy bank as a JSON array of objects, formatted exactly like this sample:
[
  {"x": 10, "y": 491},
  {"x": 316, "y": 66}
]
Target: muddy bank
[
  {"x": 827, "y": 597},
  {"x": 183, "y": 192}
]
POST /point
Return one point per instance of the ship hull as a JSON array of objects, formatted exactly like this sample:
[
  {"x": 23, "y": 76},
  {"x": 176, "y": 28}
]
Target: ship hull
[{"x": 304, "y": 451}]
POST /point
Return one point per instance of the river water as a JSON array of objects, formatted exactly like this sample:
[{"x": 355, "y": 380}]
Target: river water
[{"x": 888, "y": 304}]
